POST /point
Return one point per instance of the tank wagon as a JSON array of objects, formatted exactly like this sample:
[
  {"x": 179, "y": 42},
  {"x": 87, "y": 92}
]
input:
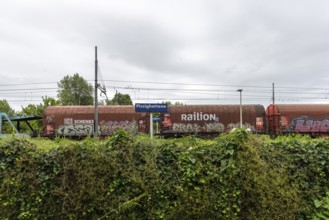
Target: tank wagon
[
  {"x": 312, "y": 119},
  {"x": 77, "y": 121},
  {"x": 208, "y": 120},
  {"x": 211, "y": 119}
]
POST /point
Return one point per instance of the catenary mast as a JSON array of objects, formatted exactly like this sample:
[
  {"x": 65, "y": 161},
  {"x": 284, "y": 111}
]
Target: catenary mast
[{"x": 96, "y": 98}]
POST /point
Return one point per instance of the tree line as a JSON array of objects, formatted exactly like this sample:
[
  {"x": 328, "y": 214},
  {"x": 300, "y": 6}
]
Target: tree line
[{"x": 72, "y": 90}]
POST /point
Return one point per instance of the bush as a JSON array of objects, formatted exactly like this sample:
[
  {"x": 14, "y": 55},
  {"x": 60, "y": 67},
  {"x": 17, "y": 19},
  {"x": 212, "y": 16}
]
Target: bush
[
  {"x": 235, "y": 176},
  {"x": 322, "y": 208}
]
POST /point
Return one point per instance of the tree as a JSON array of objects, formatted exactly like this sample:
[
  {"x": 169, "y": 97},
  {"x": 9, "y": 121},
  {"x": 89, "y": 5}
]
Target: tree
[
  {"x": 120, "y": 99},
  {"x": 75, "y": 90},
  {"x": 47, "y": 101},
  {"x": 37, "y": 110},
  {"x": 32, "y": 110},
  {"x": 170, "y": 103},
  {"x": 5, "y": 107}
]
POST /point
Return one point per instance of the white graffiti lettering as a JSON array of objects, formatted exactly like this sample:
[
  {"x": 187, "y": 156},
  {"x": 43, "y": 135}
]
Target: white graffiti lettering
[
  {"x": 83, "y": 121},
  {"x": 109, "y": 127},
  {"x": 215, "y": 127},
  {"x": 237, "y": 125},
  {"x": 75, "y": 130},
  {"x": 199, "y": 116},
  {"x": 195, "y": 128},
  {"x": 105, "y": 128}
]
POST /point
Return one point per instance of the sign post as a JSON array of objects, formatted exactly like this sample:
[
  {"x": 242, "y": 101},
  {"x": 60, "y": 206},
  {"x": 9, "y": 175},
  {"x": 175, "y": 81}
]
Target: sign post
[
  {"x": 156, "y": 120},
  {"x": 147, "y": 107},
  {"x": 151, "y": 125}
]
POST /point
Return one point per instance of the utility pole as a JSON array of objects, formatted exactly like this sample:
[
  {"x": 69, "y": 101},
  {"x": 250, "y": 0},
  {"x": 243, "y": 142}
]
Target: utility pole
[
  {"x": 240, "y": 90},
  {"x": 96, "y": 97}
]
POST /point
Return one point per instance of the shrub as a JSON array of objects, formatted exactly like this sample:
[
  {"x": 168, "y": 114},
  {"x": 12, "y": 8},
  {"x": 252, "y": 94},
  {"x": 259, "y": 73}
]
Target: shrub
[{"x": 234, "y": 176}]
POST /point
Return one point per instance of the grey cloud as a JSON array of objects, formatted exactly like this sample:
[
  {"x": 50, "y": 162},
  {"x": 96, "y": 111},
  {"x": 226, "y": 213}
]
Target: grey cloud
[{"x": 217, "y": 42}]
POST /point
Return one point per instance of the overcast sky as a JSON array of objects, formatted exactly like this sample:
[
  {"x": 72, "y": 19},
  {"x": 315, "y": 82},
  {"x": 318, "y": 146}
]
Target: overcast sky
[{"x": 194, "y": 51}]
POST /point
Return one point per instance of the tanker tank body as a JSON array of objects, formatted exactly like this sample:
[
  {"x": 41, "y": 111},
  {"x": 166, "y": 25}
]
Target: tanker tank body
[
  {"x": 78, "y": 121},
  {"x": 311, "y": 119},
  {"x": 210, "y": 120}
]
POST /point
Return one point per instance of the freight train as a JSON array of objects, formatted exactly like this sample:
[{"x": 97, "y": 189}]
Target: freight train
[{"x": 179, "y": 120}]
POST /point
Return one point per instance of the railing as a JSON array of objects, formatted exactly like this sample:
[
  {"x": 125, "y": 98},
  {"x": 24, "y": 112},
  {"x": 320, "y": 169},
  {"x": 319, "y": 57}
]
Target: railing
[{"x": 4, "y": 117}]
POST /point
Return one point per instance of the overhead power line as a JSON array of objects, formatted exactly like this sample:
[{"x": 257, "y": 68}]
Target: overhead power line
[
  {"x": 217, "y": 85},
  {"x": 28, "y": 89},
  {"x": 26, "y": 84},
  {"x": 185, "y": 84},
  {"x": 166, "y": 91},
  {"x": 174, "y": 89}
]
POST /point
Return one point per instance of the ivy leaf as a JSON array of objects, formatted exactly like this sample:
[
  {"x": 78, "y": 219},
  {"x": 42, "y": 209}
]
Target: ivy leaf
[
  {"x": 191, "y": 159},
  {"x": 317, "y": 203},
  {"x": 230, "y": 151}
]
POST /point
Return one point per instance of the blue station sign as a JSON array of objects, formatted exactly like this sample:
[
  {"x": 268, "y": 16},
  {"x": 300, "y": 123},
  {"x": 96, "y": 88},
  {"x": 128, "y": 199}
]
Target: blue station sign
[{"x": 148, "y": 107}]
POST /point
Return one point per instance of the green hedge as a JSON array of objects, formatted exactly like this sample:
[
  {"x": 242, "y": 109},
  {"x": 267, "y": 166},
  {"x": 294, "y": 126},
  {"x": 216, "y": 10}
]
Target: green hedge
[{"x": 235, "y": 176}]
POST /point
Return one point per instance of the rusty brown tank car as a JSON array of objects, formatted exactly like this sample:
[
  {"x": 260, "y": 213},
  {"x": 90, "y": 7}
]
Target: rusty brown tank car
[
  {"x": 75, "y": 121},
  {"x": 211, "y": 119},
  {"x": 310, "y": 119}
]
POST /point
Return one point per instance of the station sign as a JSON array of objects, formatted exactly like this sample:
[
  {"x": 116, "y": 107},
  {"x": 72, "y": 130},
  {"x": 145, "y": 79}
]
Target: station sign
[{"x": 150, "y": 107}]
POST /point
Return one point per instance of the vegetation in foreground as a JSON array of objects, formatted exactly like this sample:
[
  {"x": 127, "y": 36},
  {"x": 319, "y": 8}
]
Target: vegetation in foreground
[{"x": 235, "y": 176}]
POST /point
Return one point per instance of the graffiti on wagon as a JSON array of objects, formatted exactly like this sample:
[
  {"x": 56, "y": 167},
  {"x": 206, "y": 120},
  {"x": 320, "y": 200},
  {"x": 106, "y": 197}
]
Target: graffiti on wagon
[{"x": 86, "y": 127}]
